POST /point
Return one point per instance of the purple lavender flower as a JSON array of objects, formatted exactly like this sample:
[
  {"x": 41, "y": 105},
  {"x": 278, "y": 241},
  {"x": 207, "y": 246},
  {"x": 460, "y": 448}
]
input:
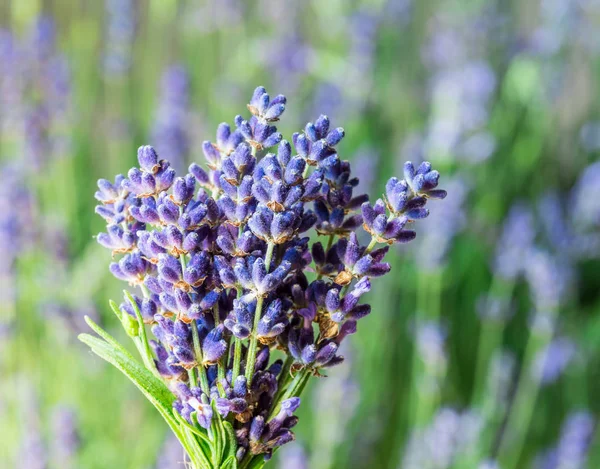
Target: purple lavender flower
[{"x": 219, "y": 257}]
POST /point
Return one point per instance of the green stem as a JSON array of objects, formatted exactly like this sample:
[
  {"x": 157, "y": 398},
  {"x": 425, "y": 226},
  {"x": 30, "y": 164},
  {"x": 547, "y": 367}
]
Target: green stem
[
  {"x": 192, "y": 376},
  {"x": 294, "y": 390},
  {"x": 251, "y": 357},
  {"x": 284, "y": 378},
  {"x": 269, "y": 256},
  {"x": 373, "y": 242},
  {"x": 237, "y": 359},
  {"x": 224, "y": 359},
  {"x": 428, "y": 309},
  {"x": 141, "y": 342},
  {"x": 329, "y": 242},
  {"x": 521, "y": 411},
  {"x": 371, "y": 245},
  {"x": 490, "y": 337}
]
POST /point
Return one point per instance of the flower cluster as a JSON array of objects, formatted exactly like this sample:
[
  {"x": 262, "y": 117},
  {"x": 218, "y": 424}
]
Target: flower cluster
[{"x": 227, "y": 273}]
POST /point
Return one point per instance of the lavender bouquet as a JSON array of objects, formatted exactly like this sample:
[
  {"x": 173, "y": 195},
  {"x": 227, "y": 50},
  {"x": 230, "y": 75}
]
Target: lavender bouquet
[{"x": 243, "y": 305}]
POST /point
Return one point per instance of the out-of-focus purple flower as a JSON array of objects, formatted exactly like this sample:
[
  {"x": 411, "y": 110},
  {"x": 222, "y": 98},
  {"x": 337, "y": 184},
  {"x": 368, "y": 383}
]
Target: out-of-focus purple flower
[
  {"x": 462, "y": 86},
  {"x": 216, "y": 15},
  {"x": 589, "y": 136},
  {"x": 363, "y": 28},
  {"x": 501, "y": 375},
  {"x": 517, "y": 236},
  {"x": 436, "y": 446},
  {"x": 572, "y": 449},
  {"x": 17, "y": 233},
  {"x": 494, "y": 308},
  {"x": 12, "y": 86},
  {"x": 42, "y": 111},
  {"x": 120, "y": 33},
  {"x": 171, "y": 454},
  {"x": 366, "y": 161},
  {"x": 65, "y": 438},
  {"x": 285, "y": 51},
  {"x": 553, "y": 360},
  {"x": 171, "y": 133},
  {"x": 431, "y": 345},
  {"x": 488, "y": 464},
  {"x": 335, "y": 399},
  {"x": 69, "y": 318},
  {"x": 32, "y": 453},
  {"x": 584, "y": 208},
  {"x": 562, "y": 24},
  {"x": 292, "y": 456},
  {"x": 549, "y": 279},
  {"x": 347, "y": 92},
  {"x": 398, "y": 12},
  {"x": 555, "y": 223}
]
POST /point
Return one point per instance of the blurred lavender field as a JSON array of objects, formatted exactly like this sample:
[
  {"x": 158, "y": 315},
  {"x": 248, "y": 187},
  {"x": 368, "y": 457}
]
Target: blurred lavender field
[{"x": 483, "y": 351}]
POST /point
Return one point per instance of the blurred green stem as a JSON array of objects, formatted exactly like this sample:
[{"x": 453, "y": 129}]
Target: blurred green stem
[
  {"x": 521, "y": 410},
  {"x": 423, "y": 401},
  {"x": 490, "y": 337}
]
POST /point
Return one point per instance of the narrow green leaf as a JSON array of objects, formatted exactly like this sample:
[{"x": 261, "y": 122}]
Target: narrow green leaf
[
  {"x": 106, "y": 336},
  {"x": 230, "y": 463},
  {"x": 154, "y": 389},
  {"x": 115, "y": 309},
  {"x": 231, "y": 441},
  {"x": 193, "y": 429},
  {"x": 257, "y": 462},
  {"x": 217, "y": 436},
  {"x": 197, "y": 452},
  {"x": 148, "y": 358}
]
